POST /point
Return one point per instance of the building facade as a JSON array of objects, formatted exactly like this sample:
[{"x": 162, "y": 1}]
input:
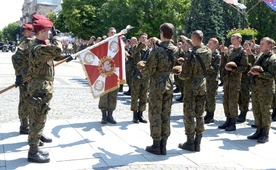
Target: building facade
[{"x": 43, "y": 7}]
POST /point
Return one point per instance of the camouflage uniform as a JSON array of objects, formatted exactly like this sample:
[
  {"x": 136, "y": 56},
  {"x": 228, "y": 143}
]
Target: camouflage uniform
[
  {"x": 212, "y": 82},
  {"x": 139, "y": 87},
  {"x": 20, "y": 64},
  {"x": 129, "y": 68},
  {"x": 109, "y": 100},
  {"x": 40, "y": 87},
  {"x": 158, "y": 68},
  {"x": 178, "y": 82},
  {"x": 195, "y": 90},
  {"x": 263, "y": 91},
  {"x": 232, "y": 83},
  {"x": 244, "y": 93}
]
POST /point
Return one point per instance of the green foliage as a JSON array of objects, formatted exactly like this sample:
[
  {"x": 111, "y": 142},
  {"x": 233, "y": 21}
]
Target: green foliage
[
  {"x": 10, "y": 31},
  {"x": 208, "y": 17},
  {"x": 59, "y": 21},
  {"x": 263, "y": 19},
  {"x": 244, "y": 32}
]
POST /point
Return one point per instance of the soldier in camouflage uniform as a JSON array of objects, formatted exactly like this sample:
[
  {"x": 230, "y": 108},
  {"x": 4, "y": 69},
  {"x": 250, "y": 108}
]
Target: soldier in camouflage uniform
[
  {"x": 130, "y": 64},
  {"x": 108, "y": 101},
  {"x": 40, "y": 87},
  {"x": 20, "y": 64},
  {"x": 178, "y": 82},
  {"x": 140, "y": 83},
  {"x": 263, "y": 89},
  {"x": 194, "y": 73},
  {"x": 158, "y": 67},
  {"x": 236, "y": 63},
  {"x": 212, "y": 81},
  {"x": 244, "y": 93}
]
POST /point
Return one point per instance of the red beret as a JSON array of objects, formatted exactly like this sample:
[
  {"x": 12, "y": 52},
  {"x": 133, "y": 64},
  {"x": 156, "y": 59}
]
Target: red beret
[
  {"x": 37, "y": 17},
  {"x": 28, "y": 26},
  {"x": 41, "y": 24}
]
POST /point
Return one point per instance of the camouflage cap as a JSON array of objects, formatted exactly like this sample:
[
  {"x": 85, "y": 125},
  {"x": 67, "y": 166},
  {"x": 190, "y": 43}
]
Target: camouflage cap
[
  {"x": 28, "y": 26},
  {"x": 257, "y": 68},
  {"x": 231, "y": 64},
  {"x": 141, "y": 65},
  {"x": 176, "y": 69}
]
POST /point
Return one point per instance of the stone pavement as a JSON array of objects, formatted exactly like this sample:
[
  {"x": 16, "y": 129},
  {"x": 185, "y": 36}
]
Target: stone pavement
[{"x": 81, "y": 142}]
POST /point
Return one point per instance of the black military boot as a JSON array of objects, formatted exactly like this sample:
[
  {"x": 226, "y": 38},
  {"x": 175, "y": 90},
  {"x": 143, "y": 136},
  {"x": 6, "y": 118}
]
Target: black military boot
[
  {"x": 242, "y": 117},
  {"x": 43, "y": 153},
  {"x": 154, "y": 148},
  {"x": 163, "y": 144},
  {"x": 141, "y": 118},
  {"x": 225, "y": 124},
  {"x": 110, "y": 118},
  {"x": 40, "y": 143},
  {"x": 45, "y": 139},
  {"x": 209, "y": 117},
  {"x": 35, "y": 156},
  {"x": 197, "y": 142},
  {"x": 273, "y": 115},
  {"x": 104, "y": 117},
  {"x": 135, "y": 117},
  {"x": 24, "y": 127},
  {"x": 121, "y": 88},
  {"x": 232, "y": 125},
  {"x": 256, "y": 135},
  {"x": 264, "y": 135},
  {"x": 189, "y": 144}
]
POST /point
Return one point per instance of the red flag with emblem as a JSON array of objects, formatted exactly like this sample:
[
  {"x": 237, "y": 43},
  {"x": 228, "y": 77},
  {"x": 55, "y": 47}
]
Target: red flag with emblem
[{"x": 104, "y": 65}]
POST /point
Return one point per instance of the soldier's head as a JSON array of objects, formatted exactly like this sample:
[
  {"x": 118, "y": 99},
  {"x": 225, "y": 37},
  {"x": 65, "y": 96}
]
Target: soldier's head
[
  {"x": 236, "y": 39},
  {"x": 111, "y": 31},
  {"x": 27, "y": 29},
  {"x": 266, "y": 44},
  {"x": 133, "y": 41},
  {"x": 213, "y": 43},
  {"x": 42, "y": 28},
  {"x": 166, "y": 31},
  {"x": 143, "y": 37},
  {"x": 197, "y": 37}
]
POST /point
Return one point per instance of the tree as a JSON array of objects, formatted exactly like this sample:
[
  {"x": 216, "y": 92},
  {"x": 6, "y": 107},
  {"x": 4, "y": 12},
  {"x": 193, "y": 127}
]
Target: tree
[
  {"x": 59, "y": 21},
  {"x": 10, "y": 31},
  {"x": 80, "y": 16},
  {"x": 263, "y": 19},
  {"x": 208, "y": 17}
]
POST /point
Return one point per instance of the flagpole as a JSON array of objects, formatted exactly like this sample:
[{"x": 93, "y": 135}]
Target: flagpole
[{"x": 124, "y": 31}]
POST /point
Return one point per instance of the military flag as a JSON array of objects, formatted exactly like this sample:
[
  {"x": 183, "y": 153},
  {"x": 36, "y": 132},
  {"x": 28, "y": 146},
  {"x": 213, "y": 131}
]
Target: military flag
[
  {"x": 271, "y": 4},
  {"x": 104, "y": 65}
]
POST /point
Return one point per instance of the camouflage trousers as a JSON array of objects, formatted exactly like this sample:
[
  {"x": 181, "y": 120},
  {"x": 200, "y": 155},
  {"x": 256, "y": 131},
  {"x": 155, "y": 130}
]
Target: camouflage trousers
[
  {"x": 178, "y": 82},
  {"x": 39, "y": 107},
  {"x": 129, "y": 72},
  {"x": 261, "y": 103},
  {"x": 109, "y": 101},
  {"x": 193, "y": 108},
  {"x": 23, "y": 107},
  {"x": 139, "y": 91},
  {"x": 231, "y": 88},
  {"x": 212, "y": 87},
  {"x": 244, "y": 95},
  {"x": 160, "y": 103}
]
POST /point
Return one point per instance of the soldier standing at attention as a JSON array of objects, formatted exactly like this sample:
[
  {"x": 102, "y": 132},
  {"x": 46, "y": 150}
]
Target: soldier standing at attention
[
  {"x": 108, "y": 102},
  {"x": 139, "y": 86},
  {"x": 212, "y": 81},
  {"x": 20, "y": 62},
  {"x": 40, "y": 87},
  {"x": 158, "y": 67},
  {"x": 263, "y": 89},
  {"x": 194, "y": 73},
  {"x": 236, "y": 63}
]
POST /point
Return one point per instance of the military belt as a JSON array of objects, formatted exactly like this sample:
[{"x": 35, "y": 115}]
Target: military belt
[
  {"x": 162, "y": 74},
  {"x": 44, "y": 77}
]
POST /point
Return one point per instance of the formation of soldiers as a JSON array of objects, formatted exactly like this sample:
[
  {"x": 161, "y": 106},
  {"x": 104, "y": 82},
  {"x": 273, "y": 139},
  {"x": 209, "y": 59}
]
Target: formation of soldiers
[
  {"x": 151, "y": 66},
  {"x": 245, "y": 71}
]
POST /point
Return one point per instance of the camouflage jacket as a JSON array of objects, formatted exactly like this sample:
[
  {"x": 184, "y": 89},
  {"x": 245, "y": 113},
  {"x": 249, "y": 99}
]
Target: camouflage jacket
[
  {"x": 242, "y": 61},
  {"x": 213, "y": 70},
  {"x": 266, "y": 79},
  {"x": 159, "y": 66},
  {"x": 20, "y": 58},
  {"x": 138, "y": 53},
  {"x": 41, "y": 65}
]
